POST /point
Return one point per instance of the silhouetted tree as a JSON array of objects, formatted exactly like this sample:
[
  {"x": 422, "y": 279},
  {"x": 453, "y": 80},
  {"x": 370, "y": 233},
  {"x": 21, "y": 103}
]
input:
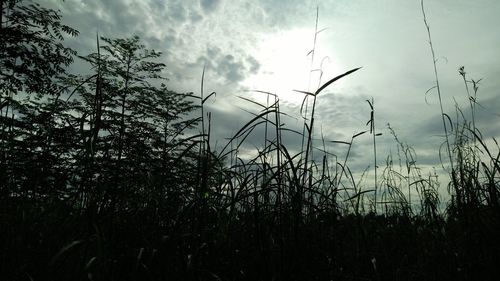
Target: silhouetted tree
[
  {"x": 32, "y": 61},
  {"x": 132, "y": 126},
  {"x": 31, "y": 51}
]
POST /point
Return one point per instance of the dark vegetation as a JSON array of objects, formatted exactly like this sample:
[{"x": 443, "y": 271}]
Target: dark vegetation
[{"x": 103, "y": 177}]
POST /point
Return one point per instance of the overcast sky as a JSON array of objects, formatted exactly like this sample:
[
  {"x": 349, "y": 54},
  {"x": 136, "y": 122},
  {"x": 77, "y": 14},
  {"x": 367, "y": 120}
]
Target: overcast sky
[{"x": 264, "y": 45}]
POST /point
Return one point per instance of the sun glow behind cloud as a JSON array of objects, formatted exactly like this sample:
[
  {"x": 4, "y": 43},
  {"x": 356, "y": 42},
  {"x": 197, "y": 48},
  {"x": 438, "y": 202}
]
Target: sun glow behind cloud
[
  {"x": 264, "y": 45},
  {"x": 287, "y": 64}
]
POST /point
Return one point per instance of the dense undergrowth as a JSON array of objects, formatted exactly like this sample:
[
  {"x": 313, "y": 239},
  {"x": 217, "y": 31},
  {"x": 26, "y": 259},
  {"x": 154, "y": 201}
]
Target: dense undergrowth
[{"x": 102, "y": 178}]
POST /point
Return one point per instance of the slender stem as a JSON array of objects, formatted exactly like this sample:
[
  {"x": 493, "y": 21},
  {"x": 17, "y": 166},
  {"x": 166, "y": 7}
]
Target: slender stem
[
  {"x": 313, "y": 51},
  {"x": 374, "y": 134},
  {"x": 439, "y": 94}
]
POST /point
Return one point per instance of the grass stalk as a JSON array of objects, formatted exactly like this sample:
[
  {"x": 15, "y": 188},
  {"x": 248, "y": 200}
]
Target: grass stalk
[
  {"x": 374, "y": 135},
  {"x": 438, "y": 88}
]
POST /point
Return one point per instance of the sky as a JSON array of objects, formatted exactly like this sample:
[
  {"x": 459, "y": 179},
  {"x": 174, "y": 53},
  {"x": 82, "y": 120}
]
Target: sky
[{"x": 265, "y": 45}]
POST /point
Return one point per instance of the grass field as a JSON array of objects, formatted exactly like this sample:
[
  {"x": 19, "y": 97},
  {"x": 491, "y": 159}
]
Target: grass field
[{"x": 107, "y": 181}]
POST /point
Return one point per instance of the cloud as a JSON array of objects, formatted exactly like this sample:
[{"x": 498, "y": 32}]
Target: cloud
[
  {"x": 253, "y": 63},
  {"x": 177, "y": 12},
  {"x": 182, "y": 30},
  {"x": 386, "y": 37},
  {"x": 289, "y": 13},
  {"x": 209, "y": 6},
  {"x": 227, "y": 67}
]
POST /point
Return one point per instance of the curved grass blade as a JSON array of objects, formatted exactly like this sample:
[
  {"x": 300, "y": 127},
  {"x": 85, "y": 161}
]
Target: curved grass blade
[{"x": 335, "y": 79}]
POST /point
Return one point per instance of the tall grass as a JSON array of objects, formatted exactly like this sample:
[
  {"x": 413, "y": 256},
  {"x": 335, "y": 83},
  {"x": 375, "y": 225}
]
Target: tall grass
[{"x": 279, "y": 215}]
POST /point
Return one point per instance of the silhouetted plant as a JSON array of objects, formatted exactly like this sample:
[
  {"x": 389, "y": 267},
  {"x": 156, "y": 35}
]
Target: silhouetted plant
[
  {"x": 107, "y": 176},
  {"x": 132, "y": 125}
]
